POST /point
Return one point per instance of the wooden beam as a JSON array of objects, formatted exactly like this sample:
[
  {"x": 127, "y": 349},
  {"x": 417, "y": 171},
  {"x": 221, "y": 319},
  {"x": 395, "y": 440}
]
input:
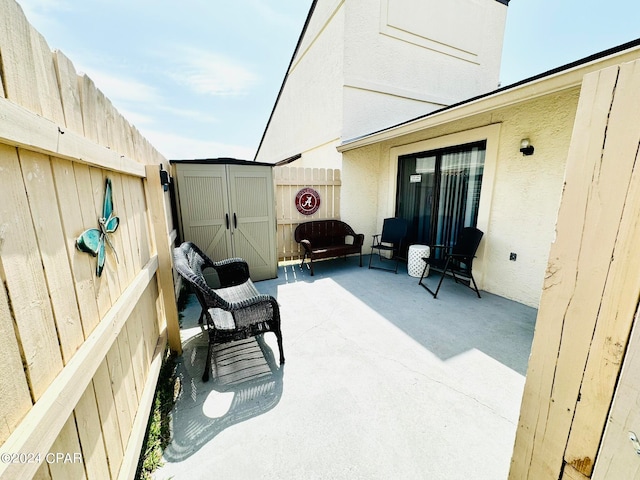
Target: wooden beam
[
  {"x": 591, "y": 289},
  {"x": 159, "y": 229},
  {"x": 41, "y": 426},
  {"x": 20, "y": 127},
  {"x": 618, "y": 195}
]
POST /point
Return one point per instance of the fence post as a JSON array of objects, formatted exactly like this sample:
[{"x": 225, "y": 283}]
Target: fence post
[{"x": 161, "y": 240}]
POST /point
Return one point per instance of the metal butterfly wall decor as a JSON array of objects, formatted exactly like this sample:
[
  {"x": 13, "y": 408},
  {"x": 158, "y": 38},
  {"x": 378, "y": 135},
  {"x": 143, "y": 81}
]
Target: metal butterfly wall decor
[{"x": 92, "y": 241}]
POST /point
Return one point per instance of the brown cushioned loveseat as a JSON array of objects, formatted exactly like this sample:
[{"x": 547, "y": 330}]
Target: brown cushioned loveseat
[{"x": 327, "y": 239}]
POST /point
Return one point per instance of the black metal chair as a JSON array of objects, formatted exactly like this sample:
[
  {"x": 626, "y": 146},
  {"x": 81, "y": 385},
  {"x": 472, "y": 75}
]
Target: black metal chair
[
  {"x": 458, "y": 259},
  {"x": 394, "y": 231}
]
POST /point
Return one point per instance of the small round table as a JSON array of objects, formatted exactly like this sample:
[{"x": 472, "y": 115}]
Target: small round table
[{"x": 415, "y": 264}]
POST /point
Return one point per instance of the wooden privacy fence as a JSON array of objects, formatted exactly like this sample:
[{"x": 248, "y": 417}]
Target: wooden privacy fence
[
  {"x": 80, "y": 353},
  {"x": 288, "y": 182},
  {"x": 586, "y": 342}
]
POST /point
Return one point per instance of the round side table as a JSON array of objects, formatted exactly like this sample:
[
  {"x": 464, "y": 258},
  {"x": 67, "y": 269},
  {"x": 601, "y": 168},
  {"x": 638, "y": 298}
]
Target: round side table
[{"x": 415, "y": 264}]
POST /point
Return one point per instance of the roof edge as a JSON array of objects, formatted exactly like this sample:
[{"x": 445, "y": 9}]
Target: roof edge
[
  {"x": 286, "y": 75},
  {"x": 361, "y": 140}
]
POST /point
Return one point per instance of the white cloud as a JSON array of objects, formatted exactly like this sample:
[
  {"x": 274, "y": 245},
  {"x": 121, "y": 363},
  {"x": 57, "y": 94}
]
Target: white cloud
[
  {"x": 123, "y": 89},
  {"x": 191, "y": 114},
  {"x": 177, "y": 147},
  {"x": 212, "y": 74}
]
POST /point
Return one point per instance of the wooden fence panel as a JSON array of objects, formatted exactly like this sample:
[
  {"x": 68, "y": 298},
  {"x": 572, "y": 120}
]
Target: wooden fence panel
[
  {"x": 82, "y": 266},
  {"x": 46, "y": 79},
  {"x": 592, "y": 287},
  {"x": 25, "y": 279},
  {"x": 38, "y": 180},
  {"x": 69, "y": 93},
  {"x": 86, "y": 349},
  {"x": 15, "y": 400},
  {"x": 17, "y": 57},
  {"x": 288, "y": 182},
  {"x": 108, "y": 418},
  {"x": 68, "y": 445},
  {"x": 91, "y": 436}
]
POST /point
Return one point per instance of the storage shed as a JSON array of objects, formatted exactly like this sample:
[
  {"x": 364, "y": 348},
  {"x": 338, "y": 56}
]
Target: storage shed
[{"x": 227, "y": 208}]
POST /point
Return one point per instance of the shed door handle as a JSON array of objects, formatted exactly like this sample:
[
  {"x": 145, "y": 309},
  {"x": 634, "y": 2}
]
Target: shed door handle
[
  {"x": 226, "y": 215},
  {"x": 235, "y": 220}
]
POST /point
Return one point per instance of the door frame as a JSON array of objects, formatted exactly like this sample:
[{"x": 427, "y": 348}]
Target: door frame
[{"x": 490, "y": 134}]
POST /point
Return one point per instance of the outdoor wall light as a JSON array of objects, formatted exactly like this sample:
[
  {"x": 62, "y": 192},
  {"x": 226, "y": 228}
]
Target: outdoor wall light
[
  {"x": 165, "y": 179},
  {"x": 525, "y": 147}
]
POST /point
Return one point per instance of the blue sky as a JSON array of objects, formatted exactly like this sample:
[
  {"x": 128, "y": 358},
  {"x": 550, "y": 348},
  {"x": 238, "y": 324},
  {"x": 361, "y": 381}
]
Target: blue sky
[{"x": 198, "y": 78}]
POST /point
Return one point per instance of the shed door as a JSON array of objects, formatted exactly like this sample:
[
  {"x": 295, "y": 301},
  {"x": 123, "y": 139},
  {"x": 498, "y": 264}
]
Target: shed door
[
  {"x": 253, "y": 218},
  {"x": 204, "y": 208}
]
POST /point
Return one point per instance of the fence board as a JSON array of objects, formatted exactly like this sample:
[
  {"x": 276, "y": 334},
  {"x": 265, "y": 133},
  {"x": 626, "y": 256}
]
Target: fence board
[
  {"x": 128, "y": 217},
  {"x": 18, "y": 67},
  {"x": 120, "y": 397},
  {"x": 38, "y": 180},
  {"x": 137, "y": 353},
  {"x": 92, "y": 442},
  {"x": 45, "y": 76},
  {"x": 67, "y": 443},
  {"x": 149, "y": 320},
  {"x": 128, "y": 379},
  {"x": 42, "y": 473},
  {"x": 141, "y": 221},
  {"x": 82, "y": 266},
  {"x": 108, "y": 418},
  {"x": 121, "y": 238},
  {"x": 89, "y": 220},
  {"x": 69, "y": 93},
  {"x": 88, "y": 103},
  {"x": 25, "y": 279},
  {"x": 15, "y": 400}
]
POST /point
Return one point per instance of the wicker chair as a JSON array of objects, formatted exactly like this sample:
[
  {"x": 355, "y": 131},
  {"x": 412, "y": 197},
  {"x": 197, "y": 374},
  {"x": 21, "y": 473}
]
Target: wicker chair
[{"x": 233, "y": 311}]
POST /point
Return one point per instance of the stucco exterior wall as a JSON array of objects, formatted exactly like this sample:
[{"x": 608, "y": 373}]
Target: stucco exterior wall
[
  {"x": 362, "y": 182},
  {"x": 308, "y": 115},
  {"x": 414, "y": 56},
  {"x": 520, "y": 194},
  {"x": 363, "y": 66},
  {"x": 527, "y": 194}
]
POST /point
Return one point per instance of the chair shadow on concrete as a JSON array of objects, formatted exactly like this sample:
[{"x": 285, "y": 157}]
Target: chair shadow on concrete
[{"x": 246, "y": 382}]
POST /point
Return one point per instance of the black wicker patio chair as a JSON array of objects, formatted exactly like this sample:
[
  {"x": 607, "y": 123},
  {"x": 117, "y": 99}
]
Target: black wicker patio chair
[{"x": 233, "y": 311}]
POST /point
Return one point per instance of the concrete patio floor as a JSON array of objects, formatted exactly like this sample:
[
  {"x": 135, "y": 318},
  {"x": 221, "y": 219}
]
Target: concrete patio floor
[{"x": 381, "y": 382}]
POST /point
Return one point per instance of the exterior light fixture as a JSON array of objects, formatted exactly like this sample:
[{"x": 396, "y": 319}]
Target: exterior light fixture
[
  {"x": 165, "y": 179},
  {"x": 525, "y": 147}
]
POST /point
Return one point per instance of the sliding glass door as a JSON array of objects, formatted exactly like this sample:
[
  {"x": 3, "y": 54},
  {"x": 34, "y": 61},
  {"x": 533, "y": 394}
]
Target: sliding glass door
[{"x": 439, "y": 192}]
